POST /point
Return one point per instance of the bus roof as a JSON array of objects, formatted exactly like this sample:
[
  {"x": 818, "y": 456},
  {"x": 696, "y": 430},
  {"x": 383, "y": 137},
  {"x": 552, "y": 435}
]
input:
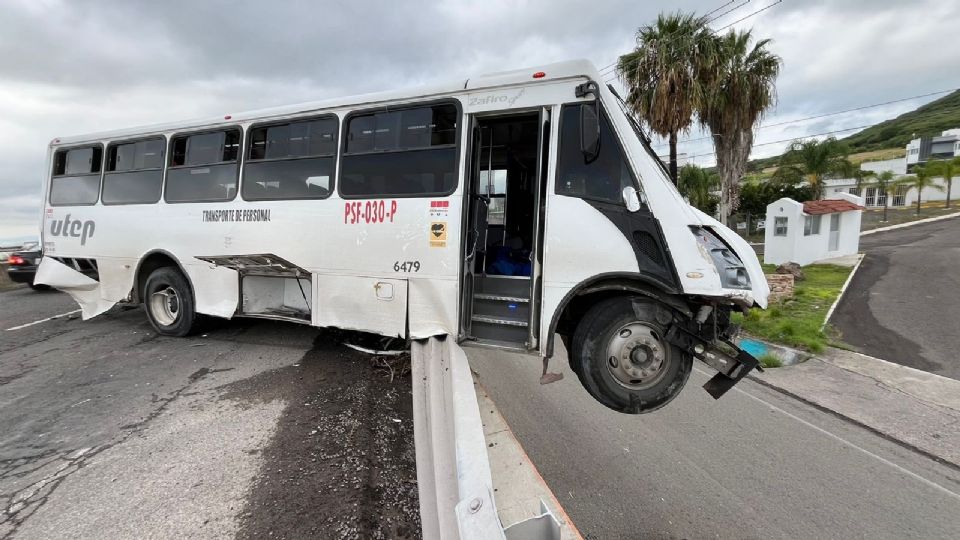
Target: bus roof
[{"x": 552, "y": 72}]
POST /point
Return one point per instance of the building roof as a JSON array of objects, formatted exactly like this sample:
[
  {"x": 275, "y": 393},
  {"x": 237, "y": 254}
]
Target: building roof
[{"x": 829, "y": 206}]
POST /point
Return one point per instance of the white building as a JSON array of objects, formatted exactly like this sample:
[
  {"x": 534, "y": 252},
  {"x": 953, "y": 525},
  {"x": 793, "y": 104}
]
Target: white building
[
  {"x": 812, "y": 231},
  {"x": 924, "y": 149},
  {"x": 919, "y": 151}
]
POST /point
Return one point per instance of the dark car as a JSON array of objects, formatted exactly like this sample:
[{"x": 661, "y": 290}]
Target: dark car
[{"x": 22, "y": 265}]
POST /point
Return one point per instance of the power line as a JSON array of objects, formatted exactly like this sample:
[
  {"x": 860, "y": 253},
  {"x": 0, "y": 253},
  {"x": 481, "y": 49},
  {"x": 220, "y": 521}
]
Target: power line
[
  {"x": 725, "y": 13},
  {"x": 791, "y": 139},
  {"x": 798, "y": 120},
  {"x": 748, "y": 16},
  {"x": 718, "y": 8}
]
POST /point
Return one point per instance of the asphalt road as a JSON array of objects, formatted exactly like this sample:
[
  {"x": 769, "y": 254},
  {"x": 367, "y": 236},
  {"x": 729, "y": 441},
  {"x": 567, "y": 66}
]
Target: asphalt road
[
  {"x": 251, "y": 429},
  {"x": 903, "y": 305},
  {"x": 755, "y": 464}
]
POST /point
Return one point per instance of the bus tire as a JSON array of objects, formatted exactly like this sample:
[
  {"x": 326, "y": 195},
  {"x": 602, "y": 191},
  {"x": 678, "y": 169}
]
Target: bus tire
[
  {"x": 621, "y": 357},
  {"x": 168, "y": 301}
]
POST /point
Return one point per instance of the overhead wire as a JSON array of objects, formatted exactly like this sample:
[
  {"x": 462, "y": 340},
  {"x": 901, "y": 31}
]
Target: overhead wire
[{"x": 825, "y": 115}]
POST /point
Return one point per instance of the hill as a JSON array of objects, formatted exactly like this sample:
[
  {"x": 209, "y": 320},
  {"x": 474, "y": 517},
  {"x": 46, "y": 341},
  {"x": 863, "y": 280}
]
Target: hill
[
  {"x": 927, "y": 120},
  {"x": 894, "y": 134}
]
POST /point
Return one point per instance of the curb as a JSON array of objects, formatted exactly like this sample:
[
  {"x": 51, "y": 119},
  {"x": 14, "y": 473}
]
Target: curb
[
  {"x": 519, "y": 485},
  {"x": 910, "y": 224},
  {"x": 843, "y": 289}
]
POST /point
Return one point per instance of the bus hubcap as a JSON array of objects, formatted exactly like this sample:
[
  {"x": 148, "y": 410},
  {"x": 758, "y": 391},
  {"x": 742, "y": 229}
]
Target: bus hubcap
[
  {"x": 165, "y": 306},
  {"x": 636, "y": 356}
]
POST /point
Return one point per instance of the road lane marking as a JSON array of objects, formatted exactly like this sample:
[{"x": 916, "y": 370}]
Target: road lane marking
[
  {"x": 841, "y": 440},
  {"x": 43, "y": 320}
]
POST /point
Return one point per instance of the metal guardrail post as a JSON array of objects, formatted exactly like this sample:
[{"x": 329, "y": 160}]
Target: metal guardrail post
[{"x": 453, "y": 472}]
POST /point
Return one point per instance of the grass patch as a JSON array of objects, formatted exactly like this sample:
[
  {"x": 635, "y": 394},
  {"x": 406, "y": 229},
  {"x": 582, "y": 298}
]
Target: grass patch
[
  {"x": 796, "y": 321},
  {"x": 768, "y": 360}
]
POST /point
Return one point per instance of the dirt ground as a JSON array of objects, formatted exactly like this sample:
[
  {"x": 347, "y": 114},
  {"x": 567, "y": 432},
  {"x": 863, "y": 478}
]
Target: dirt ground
[{"x": 341, "y": 463}]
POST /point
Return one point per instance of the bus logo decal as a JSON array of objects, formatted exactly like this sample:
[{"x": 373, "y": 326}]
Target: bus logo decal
[{"x": 75, "y": 228}]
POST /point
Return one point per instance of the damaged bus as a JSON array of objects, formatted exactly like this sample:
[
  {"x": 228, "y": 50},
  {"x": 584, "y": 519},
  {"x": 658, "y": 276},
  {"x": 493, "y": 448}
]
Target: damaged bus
[{"x": 505, "y": 211}]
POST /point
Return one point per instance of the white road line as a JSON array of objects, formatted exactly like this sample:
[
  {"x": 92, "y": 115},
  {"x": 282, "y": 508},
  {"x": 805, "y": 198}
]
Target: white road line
[
  {"x": 43, "y": 320},
  {"x": 841, "y": 440}
]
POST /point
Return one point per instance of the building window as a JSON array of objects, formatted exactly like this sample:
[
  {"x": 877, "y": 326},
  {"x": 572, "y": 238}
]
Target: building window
[
  {"x": 900, "y": 196},
  {"x": 203, "y": 167},
  {"x": 401, "y": 153},
  {"x": 881, "y": 197},
  {"x": 134, "y": 172},
  {"x": 779, "y": 226},
  {"x": 76, "y": 176},
  {"x": 602, "y": 179},
  {"x": 811, "y": 225},
  {"x": 871, "y": 199},
  {"x": 856, "y": 191},
  {"x": 290, "y": 161}
]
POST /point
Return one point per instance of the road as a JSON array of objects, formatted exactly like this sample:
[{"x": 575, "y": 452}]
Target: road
[
  {"x": 252, "y": 429},
  {"x": 903, "y": 305},
  {"x": 755, "y": 464}
]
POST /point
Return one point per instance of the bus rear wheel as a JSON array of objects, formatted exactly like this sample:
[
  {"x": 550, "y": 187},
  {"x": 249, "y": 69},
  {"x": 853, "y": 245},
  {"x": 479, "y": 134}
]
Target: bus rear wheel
[
  {"x": 622, "y": 359},
  {"x": 168, "y": 301}
]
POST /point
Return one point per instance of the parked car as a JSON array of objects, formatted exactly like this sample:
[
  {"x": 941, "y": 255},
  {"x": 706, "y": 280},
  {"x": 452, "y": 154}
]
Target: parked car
[{"x": 22, "y": 265}]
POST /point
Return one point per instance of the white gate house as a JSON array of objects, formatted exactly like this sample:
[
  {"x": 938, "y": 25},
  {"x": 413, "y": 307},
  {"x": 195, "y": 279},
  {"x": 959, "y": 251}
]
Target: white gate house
[{"x": 812, "y": 231}]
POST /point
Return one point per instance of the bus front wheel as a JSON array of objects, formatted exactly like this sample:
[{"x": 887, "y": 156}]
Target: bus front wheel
[
  {"x": 622, "y": 359},
  {"x": 168, "y": 302}
]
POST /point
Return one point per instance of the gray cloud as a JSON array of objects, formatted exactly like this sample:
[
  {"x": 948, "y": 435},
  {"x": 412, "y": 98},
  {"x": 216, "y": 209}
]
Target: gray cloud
[{"x": 72, "y": 67}]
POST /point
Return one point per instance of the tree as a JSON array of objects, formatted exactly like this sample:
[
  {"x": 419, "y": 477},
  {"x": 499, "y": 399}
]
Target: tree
[
  {"x": 921, "y": 178},
  {"x": 698, "y": 185},
  {"x": 740, "y": 87},
  {"x": 755, "y": 196},
  {"x": 812, "y": 161},
  {"x": 946, "y": 169},
  {"x": 663, "y": 75},
  {"x": 885, "y": 182}
]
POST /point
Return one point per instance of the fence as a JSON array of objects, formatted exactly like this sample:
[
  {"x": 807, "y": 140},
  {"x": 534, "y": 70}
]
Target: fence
[{"x": 750, "y": 226}]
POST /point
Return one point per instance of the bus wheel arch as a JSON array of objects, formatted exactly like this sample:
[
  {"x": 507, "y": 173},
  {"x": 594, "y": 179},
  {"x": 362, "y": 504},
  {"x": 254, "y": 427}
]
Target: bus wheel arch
[
  {"x": 167, "y": 294},
  {"x": 151, "y": 261},
  {"x": 615, "y": 331},
  {"x": 578, "y": 301}
]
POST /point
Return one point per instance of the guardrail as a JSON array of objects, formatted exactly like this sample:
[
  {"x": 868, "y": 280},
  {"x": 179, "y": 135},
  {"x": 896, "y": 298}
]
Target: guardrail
[{"x": 453, "y": 471}]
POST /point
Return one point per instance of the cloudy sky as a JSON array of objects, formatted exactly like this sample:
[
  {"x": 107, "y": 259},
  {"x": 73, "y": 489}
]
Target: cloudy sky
[{"x": 69, "y": 67}]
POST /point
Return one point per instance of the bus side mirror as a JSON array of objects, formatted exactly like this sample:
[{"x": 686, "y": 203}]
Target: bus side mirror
[
  {"x": 631, "y": 198},
  {"x": 589, "y": 131}
]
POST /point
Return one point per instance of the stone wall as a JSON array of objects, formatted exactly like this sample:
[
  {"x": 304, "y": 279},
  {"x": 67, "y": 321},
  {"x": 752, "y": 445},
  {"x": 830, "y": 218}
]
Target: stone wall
[{"x": 781, "y": 286}]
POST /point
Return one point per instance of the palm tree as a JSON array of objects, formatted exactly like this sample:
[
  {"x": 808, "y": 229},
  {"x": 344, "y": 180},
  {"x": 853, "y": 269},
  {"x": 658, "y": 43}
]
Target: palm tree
[
  {"x": 698, "y": 185},
  {"x": 946, "y": 169},
  {"x": 740, "y": 88},
  {"x": 812, "y": 161},
  {"x": 921, "y": 178},
  {"x": 663, "y": 75},
  {"x": 885, "y": 182}
]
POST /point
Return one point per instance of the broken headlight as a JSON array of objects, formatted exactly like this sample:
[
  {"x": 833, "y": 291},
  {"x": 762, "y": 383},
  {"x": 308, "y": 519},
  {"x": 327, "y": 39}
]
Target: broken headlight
[{"x": 733, "y": 274}]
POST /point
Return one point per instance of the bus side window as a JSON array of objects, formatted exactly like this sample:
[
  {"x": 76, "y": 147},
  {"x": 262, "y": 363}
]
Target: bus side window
[
  {"x": 76, "y": 176},
  {"x": 294, "y": 160},
  {"x": 203, "y": 167},
  {"x": 408, "y": 152},
  {"x": 134, "y": 172},
  {"x": 602, "y": 179}
]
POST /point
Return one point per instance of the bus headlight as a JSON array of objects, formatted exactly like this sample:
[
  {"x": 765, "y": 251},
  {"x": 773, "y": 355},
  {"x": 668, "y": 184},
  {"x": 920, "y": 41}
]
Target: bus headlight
[{"x": 733, "y": 274}]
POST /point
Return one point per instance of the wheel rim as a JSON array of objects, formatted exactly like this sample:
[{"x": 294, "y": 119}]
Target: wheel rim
[
  {"x": 165, "y": 306},
  {"x": 636, "y": 357}
]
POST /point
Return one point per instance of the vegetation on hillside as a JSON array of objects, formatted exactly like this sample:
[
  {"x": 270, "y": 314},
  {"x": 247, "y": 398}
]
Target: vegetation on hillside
[{"x": 927, "y": 120}]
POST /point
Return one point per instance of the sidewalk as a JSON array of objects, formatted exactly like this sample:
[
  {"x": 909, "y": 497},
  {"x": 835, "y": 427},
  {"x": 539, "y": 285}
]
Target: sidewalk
[{"x": 913, "y": 407}]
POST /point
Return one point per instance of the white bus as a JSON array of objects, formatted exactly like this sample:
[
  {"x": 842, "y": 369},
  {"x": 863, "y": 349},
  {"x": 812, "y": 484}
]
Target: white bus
[{"x": 502, "y": 210}]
